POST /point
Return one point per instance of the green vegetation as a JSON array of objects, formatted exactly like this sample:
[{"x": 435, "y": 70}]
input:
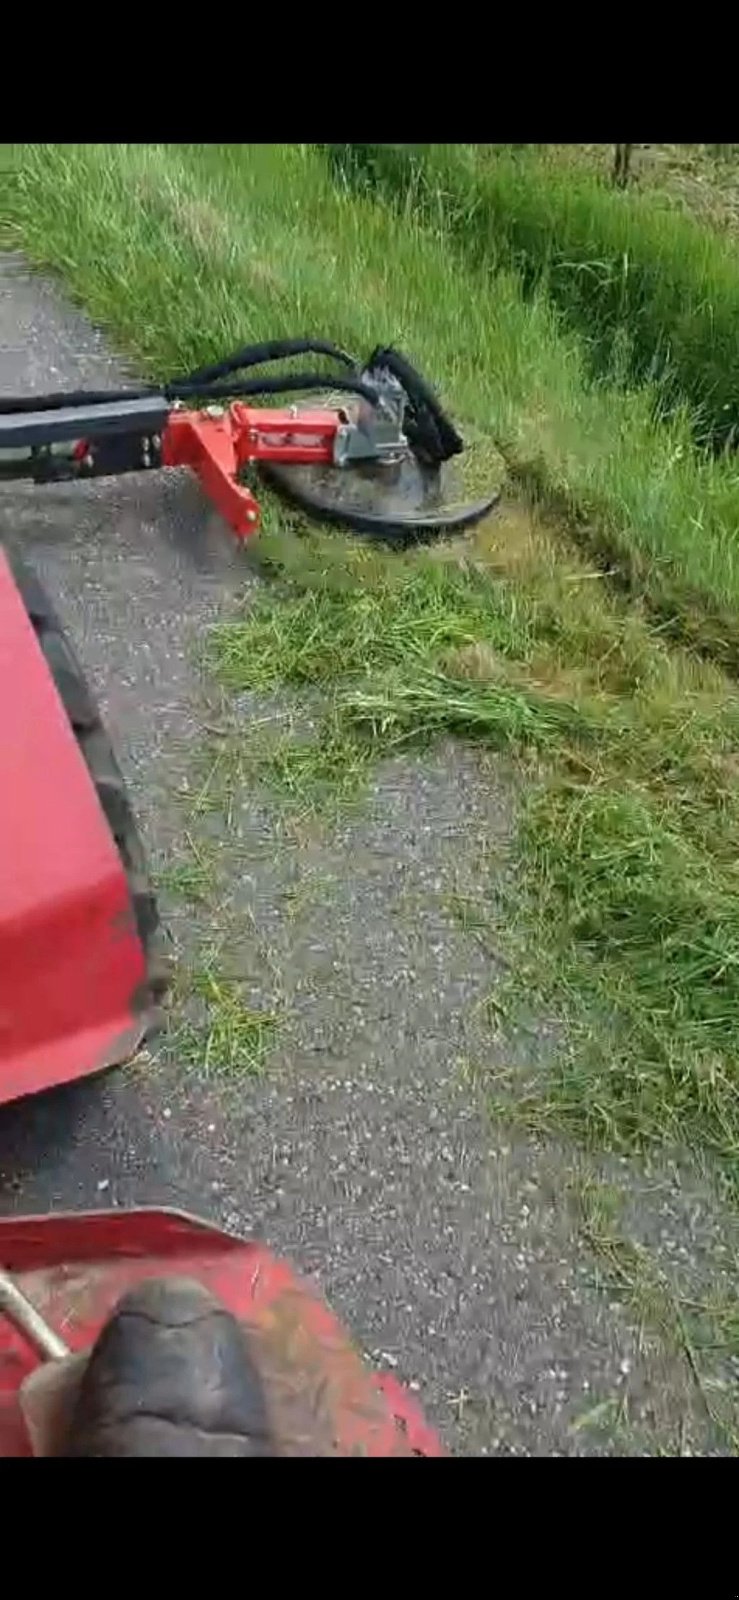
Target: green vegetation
[
  {"x": 654, "y": 295},
  {"x": 624, "y": 912},
  {"x": 188, "y": 251},
  {"x": 210, "y": 1023},
  {"x": 628, "y": 840},
  {"x": 221, "y": 1034},
  {"x": 700, "y": 1327}
]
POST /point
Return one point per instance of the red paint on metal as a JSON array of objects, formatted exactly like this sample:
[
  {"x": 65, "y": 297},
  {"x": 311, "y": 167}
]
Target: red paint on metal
[
  {"x": 70, "y": 957},
  {"x": 284, "y": 435},
  {"x": 76, "y": 1268},
  {"x": 218, "y": 447},
  {"x": 207, "y": 445}
]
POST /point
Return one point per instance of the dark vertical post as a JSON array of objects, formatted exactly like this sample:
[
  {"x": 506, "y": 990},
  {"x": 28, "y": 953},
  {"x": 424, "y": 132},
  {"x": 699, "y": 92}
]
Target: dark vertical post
[{"x": 622, "y": 165}]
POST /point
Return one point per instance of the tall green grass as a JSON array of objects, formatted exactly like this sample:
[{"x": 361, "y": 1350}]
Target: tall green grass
[
  {"x": 187, "y": 251},
  {"x": 627, "y": 890},
  {"x": 654, "y": 296}
]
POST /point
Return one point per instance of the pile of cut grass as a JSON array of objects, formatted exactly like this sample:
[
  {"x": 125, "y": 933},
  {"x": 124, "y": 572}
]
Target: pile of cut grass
[
  {"x": 627, "y": 900},
  {"x": 654, "y": 296}
]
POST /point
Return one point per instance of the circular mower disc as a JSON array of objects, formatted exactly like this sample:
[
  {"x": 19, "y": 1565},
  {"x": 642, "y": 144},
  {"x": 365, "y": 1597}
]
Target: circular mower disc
[{"x": 402, "y": 502}]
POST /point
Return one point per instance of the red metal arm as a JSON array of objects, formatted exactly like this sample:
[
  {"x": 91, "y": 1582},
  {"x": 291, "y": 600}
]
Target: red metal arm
[{"x": 218, "y": 445}]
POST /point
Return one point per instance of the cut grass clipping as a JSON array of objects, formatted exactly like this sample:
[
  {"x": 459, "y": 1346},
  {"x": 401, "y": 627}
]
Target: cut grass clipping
[
  {"x": 653, "y": 293},
  {"x": 220, "y": 1034},
  {"x": 701, "y": 1328},
  {"x": 626, "y": 911}
]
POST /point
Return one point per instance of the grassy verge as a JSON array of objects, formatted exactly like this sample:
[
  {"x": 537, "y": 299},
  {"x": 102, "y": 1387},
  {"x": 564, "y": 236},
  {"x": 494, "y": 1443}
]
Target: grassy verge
[
  {"x": 654, "y": 295},
  {"x": 627, "y": 895},
  {"x": 635, "y": 491},
  {"x": 192, "y": 250},
  {"x": 625, "y": 911},
  {"x": 189, "y": 251},
  {"x": 697, "y": 180},
  {"x": 9, "y": 158},
  {"x": 697, "y": 1324},
  {"x": 213, "y": 1022}
]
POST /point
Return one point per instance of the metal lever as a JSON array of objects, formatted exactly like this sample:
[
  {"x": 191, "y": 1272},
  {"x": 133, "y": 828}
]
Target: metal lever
[{"x": 24, "y": 1316}]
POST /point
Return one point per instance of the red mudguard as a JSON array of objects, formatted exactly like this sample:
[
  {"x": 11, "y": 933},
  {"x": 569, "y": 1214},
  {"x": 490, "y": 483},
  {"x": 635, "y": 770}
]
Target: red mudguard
[
  {"x": 72, "y": 967},
  {"x": 76, "y": 1268}
]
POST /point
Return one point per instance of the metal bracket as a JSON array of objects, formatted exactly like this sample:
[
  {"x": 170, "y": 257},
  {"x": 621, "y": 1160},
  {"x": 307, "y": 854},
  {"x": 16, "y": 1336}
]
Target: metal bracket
[
  {"x": 28, "y": 430},
  {"x": 376, "y": 433}
]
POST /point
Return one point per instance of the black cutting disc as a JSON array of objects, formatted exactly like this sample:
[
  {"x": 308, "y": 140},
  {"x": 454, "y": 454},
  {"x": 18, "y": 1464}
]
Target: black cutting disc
[{"x": 400, "y": 502}]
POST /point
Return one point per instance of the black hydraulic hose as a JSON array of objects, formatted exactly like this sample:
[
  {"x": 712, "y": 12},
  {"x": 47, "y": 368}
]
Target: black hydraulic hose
[
  {"x": 287, "y": 383},
  {"x": 430, "y": 432},
  {"x": 257, "y": 355},
  {"x": 198, "y": 387}
]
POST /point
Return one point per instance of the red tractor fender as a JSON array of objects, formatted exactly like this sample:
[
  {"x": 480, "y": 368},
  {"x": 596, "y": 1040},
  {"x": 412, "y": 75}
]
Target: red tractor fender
[
  {"x": 74, "y": 984},
  {"x": 321, "y": 1396}
]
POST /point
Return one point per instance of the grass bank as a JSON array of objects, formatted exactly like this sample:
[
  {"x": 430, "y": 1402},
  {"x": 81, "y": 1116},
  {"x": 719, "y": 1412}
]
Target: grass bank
[
  {"x": 625, "y": 912},
  {"x": 653, "y": 294},
  {"x": 188, "y": 250}
]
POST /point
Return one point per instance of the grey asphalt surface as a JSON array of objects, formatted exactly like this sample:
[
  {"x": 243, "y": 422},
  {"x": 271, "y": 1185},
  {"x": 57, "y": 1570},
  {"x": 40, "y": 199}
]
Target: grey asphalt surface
[{"x": 362, "y": 1153}]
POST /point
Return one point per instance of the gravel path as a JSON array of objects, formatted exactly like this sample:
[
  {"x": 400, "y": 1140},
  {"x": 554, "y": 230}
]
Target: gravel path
[{"x": 361, "y": 1152}]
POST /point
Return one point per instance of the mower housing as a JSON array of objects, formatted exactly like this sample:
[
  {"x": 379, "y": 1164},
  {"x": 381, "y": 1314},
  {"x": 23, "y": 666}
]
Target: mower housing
[{"x": 75, "y": 914}]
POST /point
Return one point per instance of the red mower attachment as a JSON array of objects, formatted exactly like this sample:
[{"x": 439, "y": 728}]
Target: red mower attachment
[
  {"x": 71, "y": 1272},
  {"x": 220, "y": 445},
  {"x": 375, "y": 455}
]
